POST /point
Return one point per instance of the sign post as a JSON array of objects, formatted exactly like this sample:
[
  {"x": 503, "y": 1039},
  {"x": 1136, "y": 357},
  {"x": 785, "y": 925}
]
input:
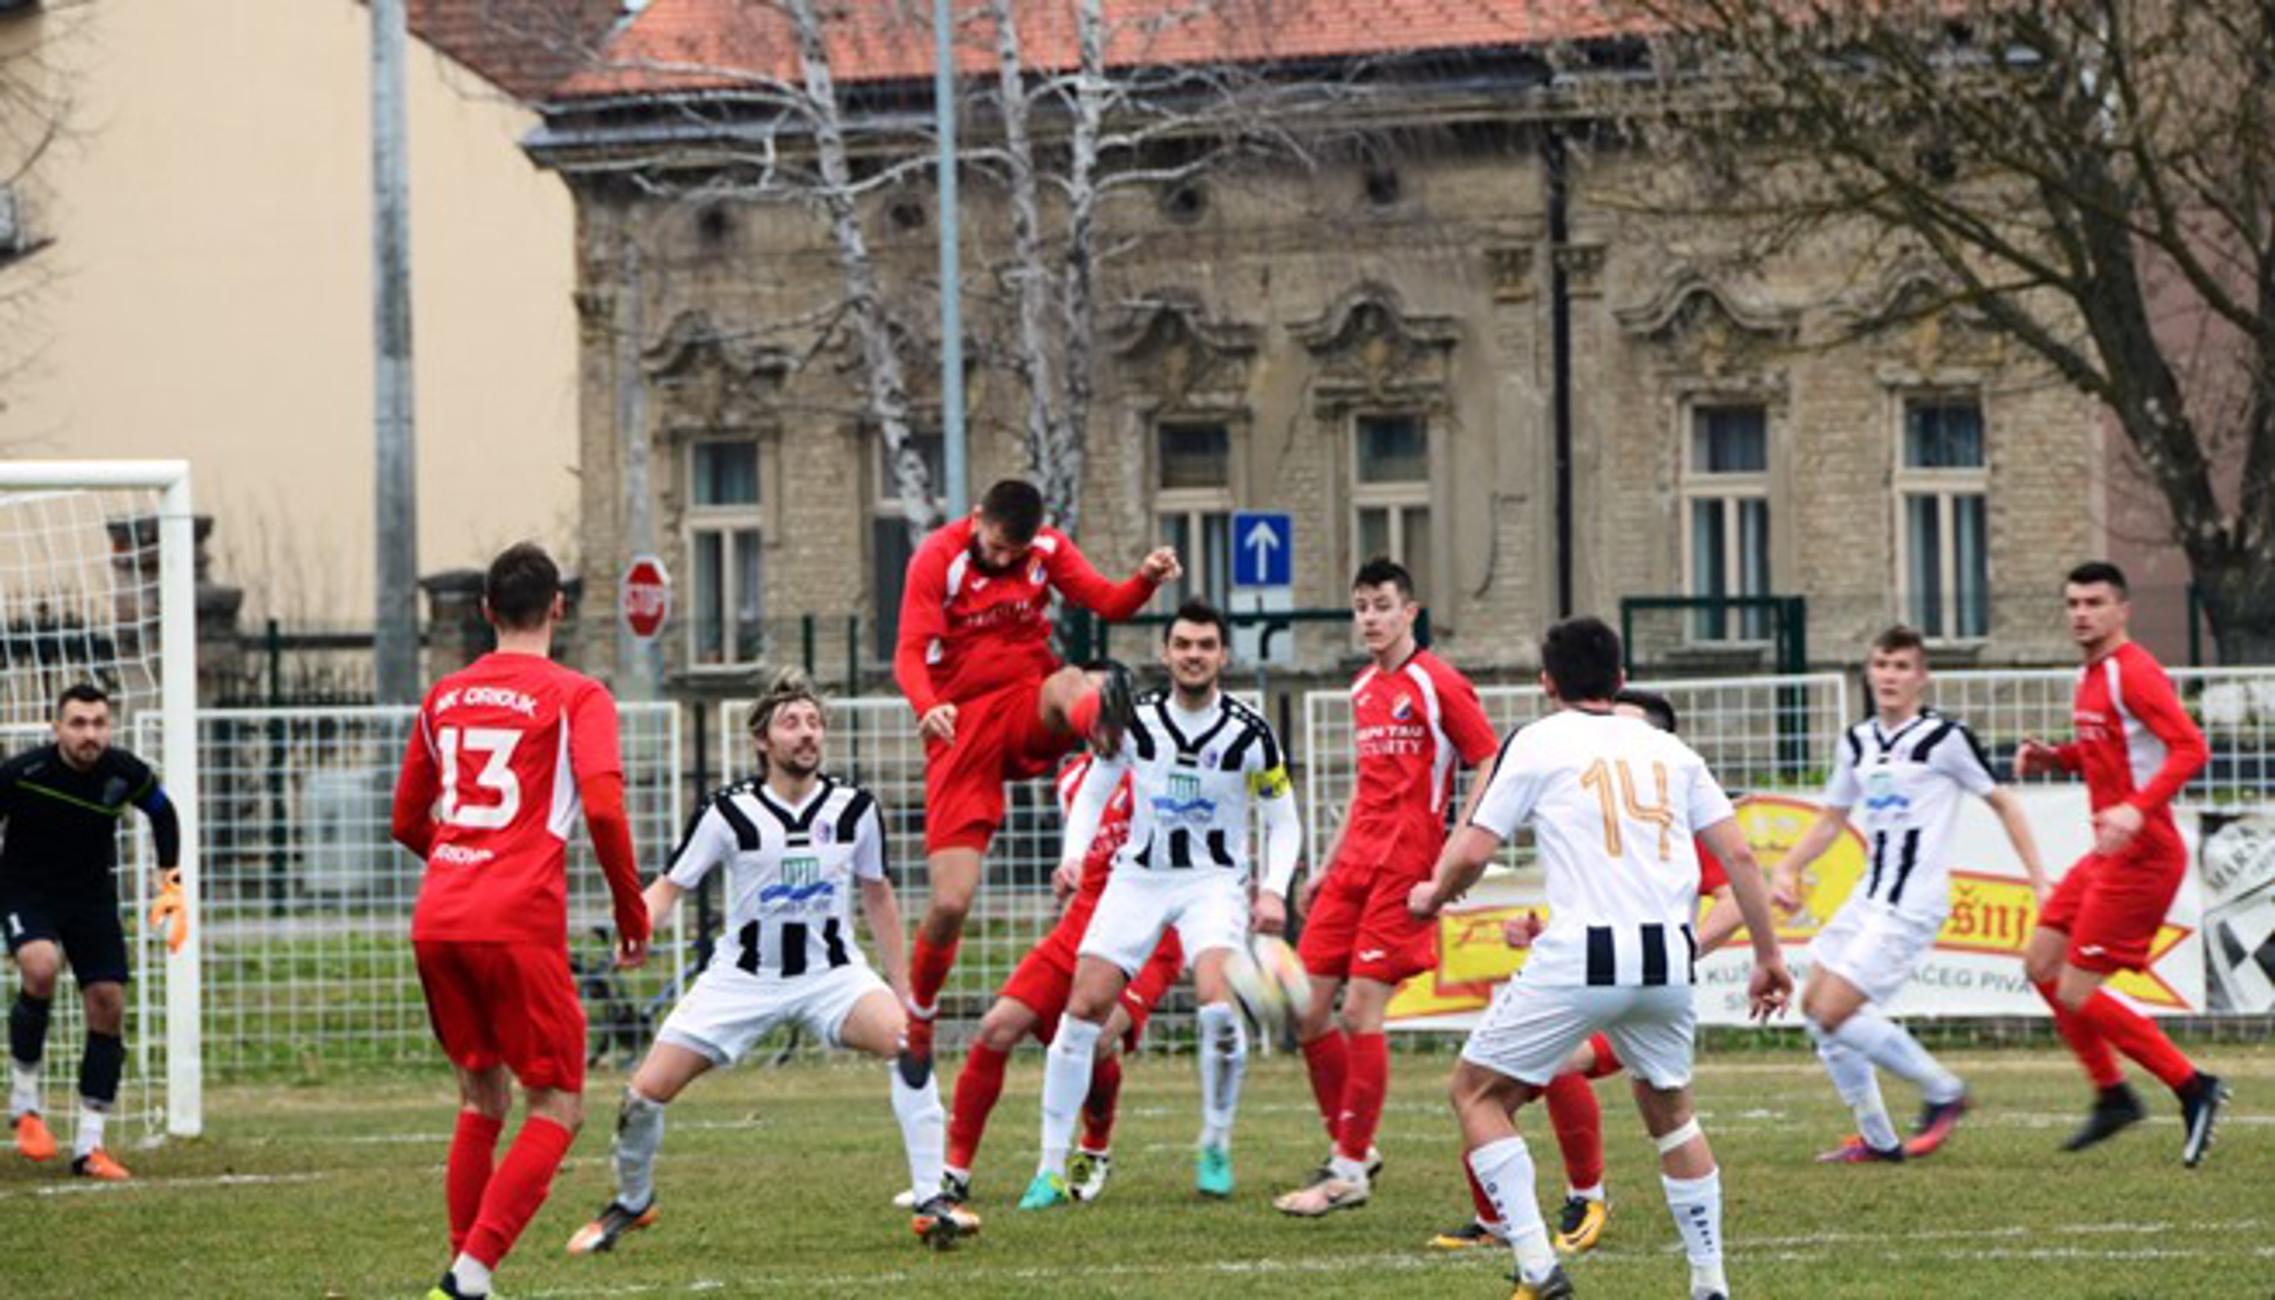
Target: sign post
[{"x": 1263, "y": 582}]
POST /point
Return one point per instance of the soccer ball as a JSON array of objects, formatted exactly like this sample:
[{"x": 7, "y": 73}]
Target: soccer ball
[{"x": 1267, "y": 981}]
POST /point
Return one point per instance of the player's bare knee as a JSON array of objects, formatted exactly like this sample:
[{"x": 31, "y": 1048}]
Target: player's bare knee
[
  {"x": 37, "y": 968},
  {"x": 559, "y": 1105},
  {"x": 1004, "y": 1025},
  {"x": 106, "y": 1007},
  {"x": 488, "y": 1093}
]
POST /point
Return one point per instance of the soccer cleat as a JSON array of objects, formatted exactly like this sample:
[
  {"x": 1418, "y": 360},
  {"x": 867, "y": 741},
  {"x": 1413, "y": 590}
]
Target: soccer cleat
[
  {"x": 1117, "y": 706},
  {"x": 33, "y": 1141},
  {"x": 1086, "y": 1175},
  {"x": 1322, "y": 1199},
  {"x": 1938, "y": 1121},
  {"x": 1212, "y": 1172},
  {"x": 2114, "y": 1111},
  {"x": 610, "y": 1225},
  {"x": 1325, "y": 1169},
  {"x": 1468, "y": 1236},
  {"x": 1555, "y": 1286},
  {"x": 1047, "y": 1192},
  {"x": 447, "y": 1289},
  {"x": 1857, "y": 1151},
  {"x": 1580, "y": 1224},
  {"x": 954, "y": 1188},
  {"x": 98, "y": 1164},
  {"x": 2199, "y": 1111},
  {"x": 941, "y": 1222}
]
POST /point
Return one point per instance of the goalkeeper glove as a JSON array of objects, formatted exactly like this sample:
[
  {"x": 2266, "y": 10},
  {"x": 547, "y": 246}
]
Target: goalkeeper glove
[{"x": 171, "y": 913}]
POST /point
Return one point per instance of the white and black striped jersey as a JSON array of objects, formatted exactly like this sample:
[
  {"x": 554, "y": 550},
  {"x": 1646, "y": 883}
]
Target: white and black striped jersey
[
  {"x": 1902, "y": 788},
  {"x": 791, "y": 873},
  {"x": 1193, "y": 778},
  {"x": 1614, "y": 804}
]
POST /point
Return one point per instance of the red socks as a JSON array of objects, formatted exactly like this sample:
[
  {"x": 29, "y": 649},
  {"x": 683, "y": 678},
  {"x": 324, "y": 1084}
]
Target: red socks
[
  {"x": 2086, "y": 1042},
  {"x": 1579, "y": 1123},
  {"x": 518, "y": 1188},
  {"x": 928, "y": 968},
  {"x": 1082, "y": 715},
  {"x": 1606, "y": 1063},
  {"x": 1363, "y": 1092},
  {"x": 1328, "y": 1059},
  {"x": 2137, "y": 1036},
  {"x": 976, "y": 1091},
  {"x": 1098, "y": 1107},
  {"x": 473, "y": 1151}
]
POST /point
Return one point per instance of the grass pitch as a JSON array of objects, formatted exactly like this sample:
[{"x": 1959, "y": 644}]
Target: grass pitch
[{"x": 776, "y": 1182}]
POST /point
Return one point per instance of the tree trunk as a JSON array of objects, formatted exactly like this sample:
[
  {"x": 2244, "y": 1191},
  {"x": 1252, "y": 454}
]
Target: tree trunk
[{"x": 1030, "y": 275}]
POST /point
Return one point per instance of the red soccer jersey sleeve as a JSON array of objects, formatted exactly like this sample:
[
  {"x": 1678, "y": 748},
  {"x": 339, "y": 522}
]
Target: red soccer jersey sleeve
[
  {"x": 1071, "y": 572},
  {"x": 2136, "y": 743},
  {"x": 1711, "y": 874},
  {"x": 506, "y": 740},
  {"x": 1461, "y": 715},
  {"x": 1411, "y": 727},
  {"x": 1098, "y": 863}
]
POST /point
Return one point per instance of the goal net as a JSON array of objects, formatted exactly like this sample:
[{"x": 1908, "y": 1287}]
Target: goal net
[{"x": 96, "y": 585}]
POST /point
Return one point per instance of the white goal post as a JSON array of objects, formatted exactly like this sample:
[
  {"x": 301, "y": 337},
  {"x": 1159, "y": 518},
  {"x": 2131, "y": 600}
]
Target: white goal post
[{"x": 52, "y": 576}]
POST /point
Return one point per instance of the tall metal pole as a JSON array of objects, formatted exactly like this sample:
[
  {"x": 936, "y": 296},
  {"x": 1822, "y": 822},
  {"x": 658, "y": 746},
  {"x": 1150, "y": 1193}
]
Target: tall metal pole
[
  {"x": 394, "y": 436},
  {"x": 951, "y": 271},
  {"x": 641, "y": 662}
]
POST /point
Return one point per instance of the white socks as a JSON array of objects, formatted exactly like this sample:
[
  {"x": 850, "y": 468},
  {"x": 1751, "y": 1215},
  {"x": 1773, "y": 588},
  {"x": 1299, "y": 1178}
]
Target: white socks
[
  {"x": 1504, "y": 1169},
  {"x": 1224, "y": 1063},
  {"x": 90, "y": 1134},
  {"x": 639, "y": 1132},
  {"x": 1066, "y": 1081},
  {"x": 1696, "y": 1204},
  {"x": 471, "y": 1275},
  {"x": 1891, "y": 1047},
  {"x": 924, "y": 1131},
  {"x": 23, "y": 1087},
  {"x": 1854, "y": 1080}
]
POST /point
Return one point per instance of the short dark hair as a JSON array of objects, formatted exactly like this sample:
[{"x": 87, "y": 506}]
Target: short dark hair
[
  {"x": 82, "y": 693},
  {"x": 1901, "y": 636},
  {"x": 520, "y": 586},
  {"x": 787, "y": 687},
  {"x": 1381, "y": 569},
  {"x": 1581, "y": 657},
  {"x": 1658, "y": 708},
  {"x": 1197, "y": 610},
  {"x": 1015, "y": 506},
  {"x": 2093, "y": 571}
]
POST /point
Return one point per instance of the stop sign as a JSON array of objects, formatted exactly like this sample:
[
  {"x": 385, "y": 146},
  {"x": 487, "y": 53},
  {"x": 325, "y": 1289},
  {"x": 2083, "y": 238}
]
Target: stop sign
[{"x": 645, "y": 596}]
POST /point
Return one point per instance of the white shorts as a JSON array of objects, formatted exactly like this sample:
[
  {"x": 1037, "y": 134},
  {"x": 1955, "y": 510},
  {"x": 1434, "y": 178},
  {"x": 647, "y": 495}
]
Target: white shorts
[
  {"x": 729, "y": 1009},
  {"x": 1207, "y": 905},
  {"x": 1875, "y": 948},
  {"x": 1532, "y": 1027}
]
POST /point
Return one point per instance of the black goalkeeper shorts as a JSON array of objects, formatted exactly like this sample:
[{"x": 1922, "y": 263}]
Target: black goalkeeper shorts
[{"x": 92, "y": 937}]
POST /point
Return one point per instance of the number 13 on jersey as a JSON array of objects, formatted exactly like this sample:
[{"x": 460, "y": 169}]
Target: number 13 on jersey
[
  {"x": 1599, "y": 777},
  {"x": 495, "y": 746}
]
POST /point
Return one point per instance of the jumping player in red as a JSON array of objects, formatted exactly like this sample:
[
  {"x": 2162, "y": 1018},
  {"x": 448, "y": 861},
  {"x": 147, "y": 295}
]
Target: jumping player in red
[
  {"x": 1033, "y": 999},
  {"x": 1413, "y": 718},
  {"x": 1571, "y": 1095},
  {"x": 503, "y": 754},
  {"x": 2136, "y": 747},
  {"x": 992, "y": 703}
]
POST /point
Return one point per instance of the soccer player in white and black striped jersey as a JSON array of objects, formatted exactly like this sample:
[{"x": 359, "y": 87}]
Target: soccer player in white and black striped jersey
[
  {"x": 1614, "y": 805},
  {"x": 796, "y": 845},
  {"x": 1907, "y": 766},
  {"x": 1198, "y": 761}
]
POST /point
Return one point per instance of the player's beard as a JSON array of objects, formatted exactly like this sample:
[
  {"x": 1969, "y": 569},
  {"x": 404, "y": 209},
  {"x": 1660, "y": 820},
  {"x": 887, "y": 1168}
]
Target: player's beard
[{"x": 800, "y": 764}]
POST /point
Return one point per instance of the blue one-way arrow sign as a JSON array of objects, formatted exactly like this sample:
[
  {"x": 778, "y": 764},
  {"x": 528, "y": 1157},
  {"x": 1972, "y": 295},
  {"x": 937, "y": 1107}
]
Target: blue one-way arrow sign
[{"x": 1263, "y": 548}]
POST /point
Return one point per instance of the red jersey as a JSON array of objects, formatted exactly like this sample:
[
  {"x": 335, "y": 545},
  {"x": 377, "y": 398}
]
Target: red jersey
[
  {"x": 966, "y": 631},
  {"x": 1711, "y": 875},
  {"x": 498, "y": 752},
  {"x": 1113, "y": 828},
  {"x": 1410, "y": 726},
  {"x": 2135, "y": 743}
]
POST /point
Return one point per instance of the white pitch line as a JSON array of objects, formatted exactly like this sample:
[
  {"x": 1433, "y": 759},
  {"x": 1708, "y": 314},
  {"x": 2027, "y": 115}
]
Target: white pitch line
[{"x": 93, "y": 1186}]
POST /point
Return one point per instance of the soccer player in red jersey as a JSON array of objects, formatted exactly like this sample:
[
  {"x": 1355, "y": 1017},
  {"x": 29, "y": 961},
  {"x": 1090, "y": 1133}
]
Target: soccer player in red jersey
[
  {"x": 992, "y": 703},
  {"x": 2136, "y": 747},
  {"x": 1413, "y": 719},
  {"x": 1571, "y": 1095},
  {"x": 502, "y": 756},
  {"x": 1032, "y": 1000}
]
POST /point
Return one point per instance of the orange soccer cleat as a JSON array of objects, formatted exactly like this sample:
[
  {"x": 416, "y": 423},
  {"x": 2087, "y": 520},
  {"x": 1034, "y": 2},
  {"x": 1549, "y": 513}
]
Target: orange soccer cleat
[
  {"x": 33, "y": 1141},
  {"x": 98, "y": 1164}
]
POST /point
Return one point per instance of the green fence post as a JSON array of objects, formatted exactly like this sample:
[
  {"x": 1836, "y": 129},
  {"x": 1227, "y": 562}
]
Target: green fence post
[
  {"x": 806, "y": 635},
  {"x": 852, "y": 654}
]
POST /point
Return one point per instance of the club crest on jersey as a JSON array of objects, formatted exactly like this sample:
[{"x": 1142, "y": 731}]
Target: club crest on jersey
[
  {"x": 1402, "y": 708},
  {"x": 1035, "y": 572},
  {"x": 825, "y": 833}
]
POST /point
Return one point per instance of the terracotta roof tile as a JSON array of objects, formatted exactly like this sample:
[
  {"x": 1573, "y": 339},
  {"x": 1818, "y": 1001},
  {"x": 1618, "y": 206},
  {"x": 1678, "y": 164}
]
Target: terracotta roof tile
[
  {"x": 523, "y": 47},
  {"x": 688, "y": 45}
]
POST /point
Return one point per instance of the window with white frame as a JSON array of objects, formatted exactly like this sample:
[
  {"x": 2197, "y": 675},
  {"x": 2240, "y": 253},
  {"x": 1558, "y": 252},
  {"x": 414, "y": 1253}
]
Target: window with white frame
[
  {"x": 1943, "y": 493},
  {"x": 1726, "y": 511},
  {"x": 890, "y": 546},
  {"x": 726, "y": 572},
  {"x": 1192, "y": 507},
  {"x": 1390, "y": 494}
]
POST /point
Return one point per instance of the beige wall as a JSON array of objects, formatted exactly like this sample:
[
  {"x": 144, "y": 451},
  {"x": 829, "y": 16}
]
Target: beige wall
[{"x": 209, "y": 292}]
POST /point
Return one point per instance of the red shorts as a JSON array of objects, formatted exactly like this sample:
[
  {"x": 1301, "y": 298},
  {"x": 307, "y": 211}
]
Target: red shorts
[
  {"x": 1000, "y": 736},
  {"x": 1045, "y": 976},
  {"x": 2112, "y": 908},
  {"x": 506, "y": 1003},
  {"x": 1359, "y": 928}
]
